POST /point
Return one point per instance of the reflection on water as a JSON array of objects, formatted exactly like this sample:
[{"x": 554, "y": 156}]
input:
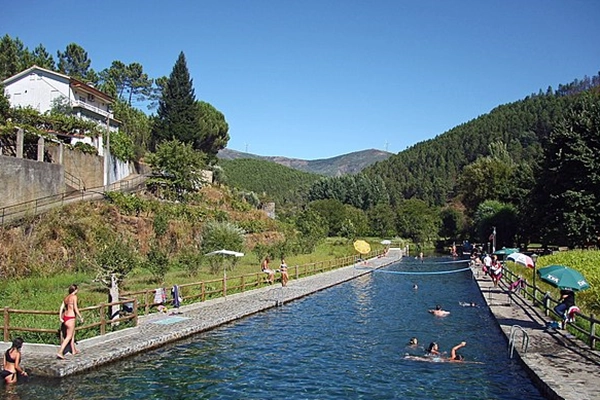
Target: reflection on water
[{"x": 345, "y": 342}]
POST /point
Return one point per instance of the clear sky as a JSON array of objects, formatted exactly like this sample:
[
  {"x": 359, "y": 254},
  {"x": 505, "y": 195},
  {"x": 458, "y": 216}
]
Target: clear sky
[{"x": 314, "y": 79}]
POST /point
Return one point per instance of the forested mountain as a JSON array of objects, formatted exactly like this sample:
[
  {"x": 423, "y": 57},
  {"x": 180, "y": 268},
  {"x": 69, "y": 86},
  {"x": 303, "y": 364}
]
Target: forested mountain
[
  {"x": 273, "y": 182},
  {"x": 430, "y": 170},
  {"x": 351, "y": 163}
]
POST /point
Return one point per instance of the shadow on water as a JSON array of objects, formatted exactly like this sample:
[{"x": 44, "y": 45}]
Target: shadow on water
[{"x": 345, "y": 342}]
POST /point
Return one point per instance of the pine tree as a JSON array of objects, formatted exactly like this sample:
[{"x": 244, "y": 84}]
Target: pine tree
[
  {"x": 177, "y": 116},
  {"x": 74, "y": 62}
]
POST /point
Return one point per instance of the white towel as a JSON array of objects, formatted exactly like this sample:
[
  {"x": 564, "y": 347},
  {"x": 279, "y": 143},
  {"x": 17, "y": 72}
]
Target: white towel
[{"x": 159, "y": 296}]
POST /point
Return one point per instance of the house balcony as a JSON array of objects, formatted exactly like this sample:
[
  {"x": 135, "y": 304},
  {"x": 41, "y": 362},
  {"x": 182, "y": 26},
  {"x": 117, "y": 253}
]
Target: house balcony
[{"x": 89, "y": 107}]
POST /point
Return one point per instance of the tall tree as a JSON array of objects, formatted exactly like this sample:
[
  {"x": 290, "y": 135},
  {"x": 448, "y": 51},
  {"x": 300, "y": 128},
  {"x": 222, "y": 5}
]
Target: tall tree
[
  {"x": 140, "y": 84},
  {"x": 42, "y": 58},
  {"x": 130, "y": 81},
  {"x": 9, "y": 58},
  {"x": 135, "y": 124},
  {"x": 178, "y": 168},
  {"x": 418, "y": 221},
  {"x": 213, "y": 130},
  {"x": 116, "y": 76},
  {"x": 567, "y": 193},
  {"x": 74, "y": 61},
  {"x": 177, "y": 116}
]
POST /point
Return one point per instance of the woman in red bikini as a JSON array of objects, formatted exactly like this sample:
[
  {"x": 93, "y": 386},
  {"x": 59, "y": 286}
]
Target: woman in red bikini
[{"x": 67, "y": 314}]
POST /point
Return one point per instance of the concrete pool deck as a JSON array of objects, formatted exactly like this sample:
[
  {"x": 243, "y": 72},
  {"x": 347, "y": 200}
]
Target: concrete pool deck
[{"x": 561, "y": 366}]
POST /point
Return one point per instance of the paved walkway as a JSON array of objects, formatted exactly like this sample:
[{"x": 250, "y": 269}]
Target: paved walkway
[
  {"x": 561, "y": 366},
  {"x": 158, "y": 329}
]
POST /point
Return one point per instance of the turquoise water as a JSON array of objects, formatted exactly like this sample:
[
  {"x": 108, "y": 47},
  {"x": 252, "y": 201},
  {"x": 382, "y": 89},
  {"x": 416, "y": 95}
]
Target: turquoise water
[{"x": 347, "y": 342}]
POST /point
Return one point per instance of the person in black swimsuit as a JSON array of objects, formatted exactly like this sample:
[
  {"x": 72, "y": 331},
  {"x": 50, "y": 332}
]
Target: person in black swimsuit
[{"x": 12, "y": 359}]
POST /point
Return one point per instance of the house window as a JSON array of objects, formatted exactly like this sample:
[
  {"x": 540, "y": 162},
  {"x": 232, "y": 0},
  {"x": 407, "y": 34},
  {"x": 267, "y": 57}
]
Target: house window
[{"x": 91, "y": 97}]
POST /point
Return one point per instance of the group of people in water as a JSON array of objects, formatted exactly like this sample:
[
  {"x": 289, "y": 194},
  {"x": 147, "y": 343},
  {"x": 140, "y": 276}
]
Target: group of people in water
[{"x": 434, "y": 354}]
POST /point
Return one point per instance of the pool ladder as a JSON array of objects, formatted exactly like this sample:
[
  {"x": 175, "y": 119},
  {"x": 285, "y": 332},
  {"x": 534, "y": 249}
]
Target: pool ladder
[{"x": 511, "y": 341}]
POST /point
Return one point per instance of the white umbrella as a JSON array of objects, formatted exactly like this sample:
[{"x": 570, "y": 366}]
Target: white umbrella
[
  {"x": 225, "y": 253},
  {"x": 522, "y": 259},
  {"x": 386, "y": 242}
]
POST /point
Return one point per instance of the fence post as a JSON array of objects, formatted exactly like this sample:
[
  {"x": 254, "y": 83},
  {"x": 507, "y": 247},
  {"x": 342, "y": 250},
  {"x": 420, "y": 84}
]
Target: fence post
[
  {"x": 146, "y": 304},
  {"x": 102, "y": 319},
  {"x": 135, "y": 312},
  {"x": 592, "y": 332},
  {"x": 546, "y": 305},
  {"x": 6, "y": 324}
]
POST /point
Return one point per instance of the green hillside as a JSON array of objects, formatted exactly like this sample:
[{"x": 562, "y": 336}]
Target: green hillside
[
  {"x": 345, "y": 164},
  {"x": 429, "y": 170},
  {"x": 273, "y": 182}
]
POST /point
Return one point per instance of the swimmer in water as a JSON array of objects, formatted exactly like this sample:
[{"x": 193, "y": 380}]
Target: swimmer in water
[
  {"x": 438, "y": 312},
  {"x": 434, "y": 355}
]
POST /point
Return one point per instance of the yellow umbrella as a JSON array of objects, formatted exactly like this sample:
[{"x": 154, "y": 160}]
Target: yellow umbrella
[{"x": 362, "y": 247}]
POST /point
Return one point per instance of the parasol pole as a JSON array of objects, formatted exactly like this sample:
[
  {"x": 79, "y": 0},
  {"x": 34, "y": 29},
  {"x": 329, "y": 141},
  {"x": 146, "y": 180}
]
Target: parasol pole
[{"x": 534, "y": 257}]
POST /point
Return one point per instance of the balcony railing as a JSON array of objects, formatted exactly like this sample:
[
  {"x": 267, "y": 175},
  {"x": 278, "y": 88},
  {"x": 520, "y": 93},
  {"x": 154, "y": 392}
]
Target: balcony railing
[{"x": 83, "y": 104}]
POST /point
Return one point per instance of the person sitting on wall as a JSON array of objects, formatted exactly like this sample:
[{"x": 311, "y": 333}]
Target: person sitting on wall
[
  {"x": 265, "y": 268},
  {"x": 567, "y": 297}
]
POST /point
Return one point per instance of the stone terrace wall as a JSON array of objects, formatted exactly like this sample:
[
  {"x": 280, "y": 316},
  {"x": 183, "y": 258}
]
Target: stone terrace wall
[
  {"x": 89, "y": 168},
  {"x": 24, "y": 180}
]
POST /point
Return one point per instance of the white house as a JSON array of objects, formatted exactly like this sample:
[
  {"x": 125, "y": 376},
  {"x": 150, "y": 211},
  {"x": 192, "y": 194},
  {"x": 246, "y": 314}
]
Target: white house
[{"x": 40, "y": 88}]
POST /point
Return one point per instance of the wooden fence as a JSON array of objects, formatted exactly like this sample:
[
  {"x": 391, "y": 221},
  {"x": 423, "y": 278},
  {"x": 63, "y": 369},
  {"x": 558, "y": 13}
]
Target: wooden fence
[
  {"x": 132, "y": 304},
  {"x": 101, "y": 322},
  {"x": 587, "y": 329},
  {"x": 221, "y": 287}
]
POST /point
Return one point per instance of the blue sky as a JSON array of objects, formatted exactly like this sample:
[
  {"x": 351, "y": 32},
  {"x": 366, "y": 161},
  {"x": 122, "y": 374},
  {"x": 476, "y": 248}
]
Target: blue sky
[{"x": 314, "y": 79}]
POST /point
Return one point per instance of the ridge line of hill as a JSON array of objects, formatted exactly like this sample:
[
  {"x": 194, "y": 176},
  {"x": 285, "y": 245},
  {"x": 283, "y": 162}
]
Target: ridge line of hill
[{"x": 351, "y": 163}]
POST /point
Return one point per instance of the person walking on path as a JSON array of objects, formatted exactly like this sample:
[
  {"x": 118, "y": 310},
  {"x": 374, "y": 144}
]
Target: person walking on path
[
  {"x": 67, "y": 314},
  {"x": 487, "y": 264},
  {"x": 496, "y": 271},
  {"x": 12, "y": 359}
]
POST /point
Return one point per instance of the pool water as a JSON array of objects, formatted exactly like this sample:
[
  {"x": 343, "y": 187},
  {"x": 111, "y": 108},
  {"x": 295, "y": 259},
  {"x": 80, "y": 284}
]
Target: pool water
[{"x": 346, "y": 342}]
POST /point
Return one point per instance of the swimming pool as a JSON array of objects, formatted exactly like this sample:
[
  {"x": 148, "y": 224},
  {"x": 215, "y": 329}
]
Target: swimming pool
[{"x": 348, "y": 341}]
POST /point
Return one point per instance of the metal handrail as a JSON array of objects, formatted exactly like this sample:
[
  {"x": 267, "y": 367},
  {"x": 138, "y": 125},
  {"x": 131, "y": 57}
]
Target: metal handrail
[
  {"x": 511, "y": 341},
  {"x": 43, "y": 204},
  {"x": 73, "y": 180}
]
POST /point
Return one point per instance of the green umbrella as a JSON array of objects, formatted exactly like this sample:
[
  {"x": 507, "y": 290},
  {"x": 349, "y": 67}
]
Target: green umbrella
[
  {"x": 563, "y": 277},
  {"x": 504, "y": 251}
]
